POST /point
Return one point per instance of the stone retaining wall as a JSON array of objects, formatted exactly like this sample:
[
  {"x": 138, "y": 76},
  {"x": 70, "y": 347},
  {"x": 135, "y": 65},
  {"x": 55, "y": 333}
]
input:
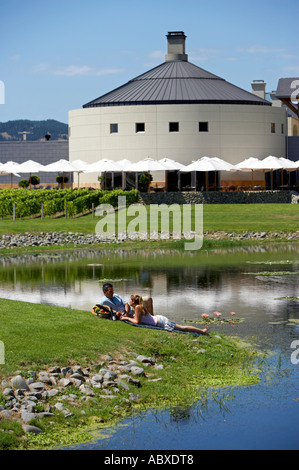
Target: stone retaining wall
[{"x": 219, "y": 197}]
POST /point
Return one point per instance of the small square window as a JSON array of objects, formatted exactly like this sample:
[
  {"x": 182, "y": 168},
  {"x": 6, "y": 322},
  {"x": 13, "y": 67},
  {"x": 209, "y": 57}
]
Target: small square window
[
  {"x": 173, "y": 127},
  {"x": 203, "y": 127},
  {"x": 113, "y": 128},
  {"x": 140, "y": 127},
  {"x": 273, "y": 127}
]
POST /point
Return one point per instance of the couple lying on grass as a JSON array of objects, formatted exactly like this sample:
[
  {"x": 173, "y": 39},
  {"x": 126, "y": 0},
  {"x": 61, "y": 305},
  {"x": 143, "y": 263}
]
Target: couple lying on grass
[{"x": 139, "y": 311}]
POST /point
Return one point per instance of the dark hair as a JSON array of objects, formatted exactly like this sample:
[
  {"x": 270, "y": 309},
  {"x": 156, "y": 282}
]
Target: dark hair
[{"x": 106, "y": 286}]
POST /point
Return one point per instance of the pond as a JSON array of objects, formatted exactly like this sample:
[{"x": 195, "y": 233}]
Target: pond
[{"x": 260, "y": 284}]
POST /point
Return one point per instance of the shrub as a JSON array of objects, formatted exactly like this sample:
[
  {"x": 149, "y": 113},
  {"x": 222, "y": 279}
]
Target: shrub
[
  {"x": 62, "y": 179},
  {"x": 144, "y": 181},
  {"x": 23, "y": 183},
  {"x": 34, "y": 180}
]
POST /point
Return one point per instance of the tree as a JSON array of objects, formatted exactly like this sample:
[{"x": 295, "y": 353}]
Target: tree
[
  {"x": 23, "y": 183},
  {"x": 61, "y": 180},
  {"x": 34, "y": 180},
  {"x": 144, "y": 181}
]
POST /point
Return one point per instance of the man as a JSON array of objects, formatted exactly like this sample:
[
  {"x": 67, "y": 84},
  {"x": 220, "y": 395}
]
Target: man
[{"x": 114, "y": 301}]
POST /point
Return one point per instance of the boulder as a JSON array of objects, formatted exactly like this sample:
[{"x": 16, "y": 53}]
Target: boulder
[{"x": 19, "y": 382}]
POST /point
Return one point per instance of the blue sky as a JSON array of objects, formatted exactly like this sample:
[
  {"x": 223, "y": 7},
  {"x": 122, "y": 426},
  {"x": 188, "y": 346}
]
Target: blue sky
[{"x": 57, "y": 55}]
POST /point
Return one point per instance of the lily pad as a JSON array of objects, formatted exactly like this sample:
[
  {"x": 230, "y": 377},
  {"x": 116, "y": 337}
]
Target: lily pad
[{"x": 287, "y": 298}]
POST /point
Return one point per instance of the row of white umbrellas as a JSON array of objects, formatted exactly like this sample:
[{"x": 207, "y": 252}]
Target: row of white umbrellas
[{"x": 204, "y": 164}]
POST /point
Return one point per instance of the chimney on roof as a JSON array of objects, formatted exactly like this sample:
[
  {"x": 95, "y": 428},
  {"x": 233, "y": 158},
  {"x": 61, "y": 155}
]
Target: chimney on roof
[
  {"x": 176, "y": 46},
  {"x": 259, "y": 88}
]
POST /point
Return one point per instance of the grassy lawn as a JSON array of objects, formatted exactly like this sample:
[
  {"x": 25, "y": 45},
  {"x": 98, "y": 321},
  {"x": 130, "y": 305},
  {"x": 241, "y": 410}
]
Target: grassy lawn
[
  {"x": 217, "y": 217},
  {"x": 38, "y": 336},
  {"x": 251, "y": 217}
]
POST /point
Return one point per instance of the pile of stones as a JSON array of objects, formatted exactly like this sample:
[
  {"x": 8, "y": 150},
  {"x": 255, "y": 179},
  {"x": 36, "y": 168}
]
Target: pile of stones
[
  {"x": 218, "y": 235},
  {"x": 79, "y": 239},
  {"x": 44, "y": 393},
  {"x": 21, "y": 240}
]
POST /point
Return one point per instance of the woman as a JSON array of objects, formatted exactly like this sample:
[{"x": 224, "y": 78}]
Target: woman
[{"x": 142, "y": 316}]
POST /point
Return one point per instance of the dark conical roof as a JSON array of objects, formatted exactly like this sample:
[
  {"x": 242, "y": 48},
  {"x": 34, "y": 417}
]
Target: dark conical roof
[{"x": 177, "y": 82}]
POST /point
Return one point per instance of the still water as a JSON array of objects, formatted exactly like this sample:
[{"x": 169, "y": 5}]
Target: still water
[{"x": 259, "y": 284}]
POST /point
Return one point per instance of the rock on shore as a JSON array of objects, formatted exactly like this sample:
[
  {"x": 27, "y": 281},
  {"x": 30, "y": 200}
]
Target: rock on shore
[
  {"x": 47, "y": 239},
  {"x": 45, "y": 393}
]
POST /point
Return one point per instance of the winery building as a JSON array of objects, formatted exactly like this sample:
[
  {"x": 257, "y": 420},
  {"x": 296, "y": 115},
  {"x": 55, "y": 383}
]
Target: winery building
[{"x": 179, "y": 111}]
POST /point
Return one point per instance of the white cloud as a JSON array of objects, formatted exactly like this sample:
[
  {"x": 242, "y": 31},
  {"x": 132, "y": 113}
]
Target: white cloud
[
  {"x": 73, "y": 70},
  {"x": 157, "y": 54},
  {"x": 202, "y": 54},
  {"x": 230, "y": 59},
  {"x": 260, "y": 49}
]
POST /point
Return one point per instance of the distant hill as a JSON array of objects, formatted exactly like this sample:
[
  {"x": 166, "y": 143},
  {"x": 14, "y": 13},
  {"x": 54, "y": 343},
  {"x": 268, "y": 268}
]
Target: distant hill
[{"x": 35, "y": 130}]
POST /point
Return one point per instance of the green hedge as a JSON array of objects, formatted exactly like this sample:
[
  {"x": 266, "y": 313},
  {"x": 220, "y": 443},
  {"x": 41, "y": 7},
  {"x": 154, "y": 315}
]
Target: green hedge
[{"x": 29, "y": 202}]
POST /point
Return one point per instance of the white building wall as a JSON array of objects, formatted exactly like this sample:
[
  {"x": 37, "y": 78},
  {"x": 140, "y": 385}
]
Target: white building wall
[{"x": 235, "y": 132}]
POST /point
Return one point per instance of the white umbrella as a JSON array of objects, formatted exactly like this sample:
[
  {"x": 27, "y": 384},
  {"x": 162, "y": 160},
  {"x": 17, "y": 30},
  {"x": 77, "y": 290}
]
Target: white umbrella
[
  {"x": 30, "y": 166},
  {"x": 249, "y": 164},
  {"x": 103, "y": 166},
  {"x": 206, "y": 164},
  {"x": 289, "y": 165},
  {"x": 61, "y": 166},
  {"x": 144, "y": 166},
  {"x": 123, "y": 163},
  {"x": 269, "y": 163},
  {"x": 10, "y": 168},
  {"x": 171, "y": 164},
  {"x": 148, "y": 164},
  {"x": 79, "y": 165},
  {"x": 226, "y": 165}
]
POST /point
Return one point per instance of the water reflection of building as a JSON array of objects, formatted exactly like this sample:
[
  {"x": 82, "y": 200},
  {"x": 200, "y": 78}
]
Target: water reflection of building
[{"x": 76, "y": 279}]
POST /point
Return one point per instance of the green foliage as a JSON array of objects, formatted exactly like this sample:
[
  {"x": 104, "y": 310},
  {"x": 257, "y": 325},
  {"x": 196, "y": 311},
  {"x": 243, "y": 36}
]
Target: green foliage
[
  {"x": 10, "y": 432},
  {"x": 34, "y": 180},
  {"x": 23, "y": 183},
  {"x": 62, "y": 179},
  {"x": 144, "y": 181},
  {"x": 29, "y": 203}
]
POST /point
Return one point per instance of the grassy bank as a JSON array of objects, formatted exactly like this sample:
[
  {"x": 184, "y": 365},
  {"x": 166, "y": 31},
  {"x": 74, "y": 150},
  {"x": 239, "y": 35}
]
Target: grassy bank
[
  {"x": 36, "y": 337},
  {"x": 223, "y": 226},
  {"x": 216, "y": 217}
]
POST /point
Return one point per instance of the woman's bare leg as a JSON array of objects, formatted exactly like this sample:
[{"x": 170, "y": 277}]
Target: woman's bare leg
[{"x": 191, "y": 329}]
